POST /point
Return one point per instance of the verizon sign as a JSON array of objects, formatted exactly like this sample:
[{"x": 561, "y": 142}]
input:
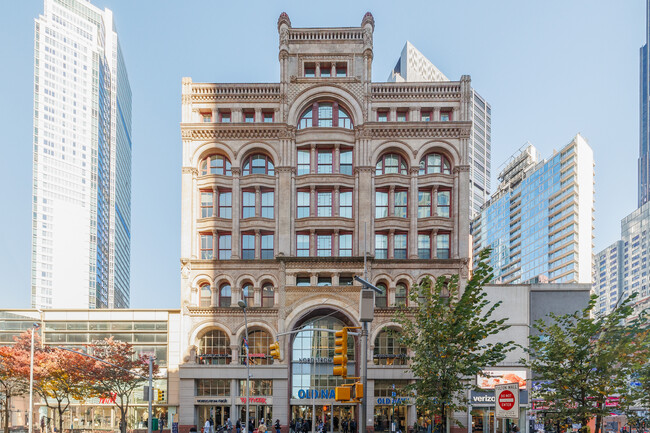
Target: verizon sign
[{"x": 507, "y": 400}]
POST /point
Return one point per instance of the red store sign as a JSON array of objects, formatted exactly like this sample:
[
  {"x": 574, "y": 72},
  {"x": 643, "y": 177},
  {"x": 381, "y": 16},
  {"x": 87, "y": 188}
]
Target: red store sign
[{"x": 254, "y": 399}]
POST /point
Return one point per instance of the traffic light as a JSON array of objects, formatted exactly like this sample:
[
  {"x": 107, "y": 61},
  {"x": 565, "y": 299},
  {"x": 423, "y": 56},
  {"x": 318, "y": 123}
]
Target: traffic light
[
  {"x": 358, "y": 390},
  {"x": 342, "y": 393},
  {"x": 275, "y": 350},
  {"x": 341, "y": 353},
  {"x": 160, "y": 394}
]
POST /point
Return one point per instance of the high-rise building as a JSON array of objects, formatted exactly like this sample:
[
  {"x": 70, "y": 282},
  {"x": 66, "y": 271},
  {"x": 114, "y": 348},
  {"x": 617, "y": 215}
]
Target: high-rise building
[
  {"x": 622, "y": 268},
  {"x": 644, "y": 116},
  {"x": 539, "y": 223},
  {"x": 81, "y": 205},
  {"x": 413, "y": 66}
]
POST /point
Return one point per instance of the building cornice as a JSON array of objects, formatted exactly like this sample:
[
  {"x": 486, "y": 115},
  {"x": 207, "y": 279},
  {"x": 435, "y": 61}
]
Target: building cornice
[
  {"x": 447, "y": 90},
  {"x": 387, "y": 130},
  {"x": 235, "y": 131}
]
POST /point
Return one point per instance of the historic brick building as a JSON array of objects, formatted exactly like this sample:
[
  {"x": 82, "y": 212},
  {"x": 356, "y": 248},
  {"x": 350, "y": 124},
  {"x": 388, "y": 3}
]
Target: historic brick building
[{"x": 284, "y": 187}]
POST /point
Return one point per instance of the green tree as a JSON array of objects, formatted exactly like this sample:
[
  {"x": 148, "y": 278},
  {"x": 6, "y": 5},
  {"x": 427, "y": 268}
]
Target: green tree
[
  {"x": 582, "y": 358},
  {"x": 447, "y": 334}
]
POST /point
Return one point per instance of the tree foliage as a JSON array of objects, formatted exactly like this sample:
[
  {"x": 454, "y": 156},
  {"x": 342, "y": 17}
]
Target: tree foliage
[
  {"x": 582, "y": 358},
  {"x": 120, "y": 379},
  {"x": 448, "y": 339},
  {"x": 12, "y": 384}
]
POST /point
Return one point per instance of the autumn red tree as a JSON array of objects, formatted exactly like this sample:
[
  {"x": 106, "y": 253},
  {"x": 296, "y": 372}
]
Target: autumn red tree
[
  {"x": 12, "y": 383},
  {"x": 122, "y": 376},
  {"x": 60, "y": 376}
]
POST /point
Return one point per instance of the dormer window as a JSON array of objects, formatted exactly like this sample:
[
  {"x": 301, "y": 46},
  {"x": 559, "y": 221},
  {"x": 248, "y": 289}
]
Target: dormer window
[{"x": 325, "y": 114}]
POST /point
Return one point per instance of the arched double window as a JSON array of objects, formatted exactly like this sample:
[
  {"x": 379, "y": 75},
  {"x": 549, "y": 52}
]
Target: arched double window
[
  {"x": 435, "y": 163},
  {"x": 325, "y": 114},
  {"x": 258, "y": 347},
  {"x": 258, "y": 164},
  {"x": 205, "y": 295},
  {"x": 214, "y": 348},
  {"x": 215, "y": 164},
  {"x": 388, "y": 350},
  {"x": 391, "y": 163},
  {"x": 225, "y": 295}
]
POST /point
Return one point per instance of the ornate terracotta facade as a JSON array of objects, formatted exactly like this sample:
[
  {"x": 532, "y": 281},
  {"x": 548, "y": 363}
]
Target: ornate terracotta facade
[{"x": 285, "y": 185}]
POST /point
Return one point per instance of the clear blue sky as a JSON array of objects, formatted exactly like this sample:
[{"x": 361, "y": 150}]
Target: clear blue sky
[{"x": 549, "y": 69}]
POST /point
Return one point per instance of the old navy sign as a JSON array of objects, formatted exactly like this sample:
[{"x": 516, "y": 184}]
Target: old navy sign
[
  {"x": 397, "y": 400},
  {"x": 316, "y": 393}
]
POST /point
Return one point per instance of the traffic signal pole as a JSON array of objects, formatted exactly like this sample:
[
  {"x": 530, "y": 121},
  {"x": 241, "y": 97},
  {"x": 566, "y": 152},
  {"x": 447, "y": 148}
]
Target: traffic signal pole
[{"x": 364, "y": 375}]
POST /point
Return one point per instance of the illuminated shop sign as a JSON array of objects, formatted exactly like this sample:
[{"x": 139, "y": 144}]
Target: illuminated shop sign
[
  {"x": 486, "y": 398},
  {"x": 488, "y": 378},
  {"x": 316, "y": 393},
  {"x": 315, "y": 361},
  {"x": 396, "y": 400},
  {"x": 262, "y": 400}
]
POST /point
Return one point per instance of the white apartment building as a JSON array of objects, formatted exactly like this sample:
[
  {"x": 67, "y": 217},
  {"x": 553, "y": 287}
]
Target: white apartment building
[{"x": 82, "y": 160}]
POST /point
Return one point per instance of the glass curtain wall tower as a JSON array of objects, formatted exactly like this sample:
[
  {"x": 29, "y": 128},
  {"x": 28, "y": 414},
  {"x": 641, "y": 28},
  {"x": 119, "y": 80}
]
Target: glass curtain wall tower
[
  {"x": 644, "y": 115},
  {"x": 81, "y": 207}
]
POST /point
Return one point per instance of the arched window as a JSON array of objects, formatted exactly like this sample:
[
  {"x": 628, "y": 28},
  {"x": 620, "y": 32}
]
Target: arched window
[
  {"x": 258, "y": 164},
  {"x": 248, "y": 294},
  {"x": 216, "y": 164},
  {"x": 205, "y": 295},
  {"x": 268, "y": 295},
  {"x": 435, "y": 163},
  {"x": 388, "y": 350},
  {"x": 401, "y": 293},
  {"x": 258, "y": 346},
  {"x": 225, "y": 295},
  {"x": 325, "y": 114},
  {"x": 381, "y": 299},
  {"x": 214, "y": 348},
  {"x": 391, "y": 163}
]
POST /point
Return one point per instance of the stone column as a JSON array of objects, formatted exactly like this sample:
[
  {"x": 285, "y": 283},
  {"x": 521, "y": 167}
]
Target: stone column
[
  {"x": 214, "y": 296},
  {"x": 312, "y": 243},
  {"x": 236, "y": 214},
  {"x": 258, "y": 201},
  {"x": 215, "y": 201},
  {"x": 336, "y": 159},
  {"x": 313, "y": 202},
  {"x": 335, "y": 245},
  {"x": 434, "y": 243},
  {"x": 313, "y": 158},
  {"x": 436, "y": 114},
  {"x": 258, "y": 243},
  {"x": 391, "y": 244},
  {"x": 318, "y": 69},
  {"x": 336, "y": 202},
  {"x": 413, "y": 214},
  {"x": 313, "y": 278},
  {"x": 234, "y": 349},
  {"x": 414, "y": 114},
  {"x": 258, "y": 115},
  {"x": 215, "y": 247},
  {"x": 434, "y": 200},
  {"x": 391, "y": 201},
  {"x": 257, "y": 296},
  {"x": 392, "y": 115}
]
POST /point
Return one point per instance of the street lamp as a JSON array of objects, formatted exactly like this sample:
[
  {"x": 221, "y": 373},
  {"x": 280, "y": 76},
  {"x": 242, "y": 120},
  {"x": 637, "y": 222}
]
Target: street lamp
[
  {"x": 242, "y": 305},
  {"x": 31, "y": 379}
]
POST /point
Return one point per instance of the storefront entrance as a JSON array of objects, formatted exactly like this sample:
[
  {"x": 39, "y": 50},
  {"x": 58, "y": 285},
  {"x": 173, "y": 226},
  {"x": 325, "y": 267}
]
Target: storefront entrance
[
  {"x": 219, "y": 414},
  {"x": 257, "y": 413},
  {"x": 332, "y": 416},
  {"x": 387, "y": 415}
]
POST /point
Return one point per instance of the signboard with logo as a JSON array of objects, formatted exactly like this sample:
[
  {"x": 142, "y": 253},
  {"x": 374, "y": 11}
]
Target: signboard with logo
[
  {"x": 490, "y": 378},
  {"x": 212, "y": 400},
  {"x": 487, "y": 399},
  {"x": 254, "y": 400},
  {"x": 507, "y": 401}
]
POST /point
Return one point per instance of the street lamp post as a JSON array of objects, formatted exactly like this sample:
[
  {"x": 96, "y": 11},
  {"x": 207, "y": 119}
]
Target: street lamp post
[
  {"x": 31, "y": 380},
  {"x": 242, "y": 304}
]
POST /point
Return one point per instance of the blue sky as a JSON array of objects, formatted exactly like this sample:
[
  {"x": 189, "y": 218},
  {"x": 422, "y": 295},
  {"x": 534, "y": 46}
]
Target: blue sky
[{"x": 550, "y": 69}]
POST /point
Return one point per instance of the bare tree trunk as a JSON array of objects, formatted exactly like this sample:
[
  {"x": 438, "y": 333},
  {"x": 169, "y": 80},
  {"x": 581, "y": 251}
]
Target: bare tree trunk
[
  {"x": 60, "y": 412},
  {"x": 123, "y": 411},
  {"x": 7, "y": 402}
]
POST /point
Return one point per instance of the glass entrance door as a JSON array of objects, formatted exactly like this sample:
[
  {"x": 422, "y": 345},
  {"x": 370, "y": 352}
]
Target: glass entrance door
[{"x": 219, "y": 414}]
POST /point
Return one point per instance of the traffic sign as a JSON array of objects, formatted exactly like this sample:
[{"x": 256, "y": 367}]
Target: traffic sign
[{"x": 506, "y": 397}]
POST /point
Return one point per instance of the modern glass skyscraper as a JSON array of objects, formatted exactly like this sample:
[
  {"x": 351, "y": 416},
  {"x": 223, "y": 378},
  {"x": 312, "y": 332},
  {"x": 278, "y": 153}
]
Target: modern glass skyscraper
[
  {"x": 644, "y": 116},
  {"x": 81, "y": 232},
  {"x": 413, "y": 66},
  {"x": 539, "y": 223}
]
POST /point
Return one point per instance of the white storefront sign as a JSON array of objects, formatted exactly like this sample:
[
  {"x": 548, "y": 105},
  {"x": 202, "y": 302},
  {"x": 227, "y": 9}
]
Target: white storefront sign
[{"x": 507, "y": 400}]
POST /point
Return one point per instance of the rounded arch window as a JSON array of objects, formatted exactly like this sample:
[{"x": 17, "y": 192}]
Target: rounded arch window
[
  {"x": 214, "y": 348},
  {"x": 225, "y": 295},
  {"x": 205, "y": 295},
  {"x": 388, "y": 350},
  {"x": 258, "y": 347},
  {"x": 325, "y": 114},
  {"x": 391, "y": 163},
  {"x": 258, "y": 164},
  {"x": 215, "y": 164},
  {"x": 381, "y": 299},
  {"x": 401, "y": 294},
  {"x": 435, "y": 163},
  {"x": 268, "y": 295},
  {"x": 248, "y": 294}
]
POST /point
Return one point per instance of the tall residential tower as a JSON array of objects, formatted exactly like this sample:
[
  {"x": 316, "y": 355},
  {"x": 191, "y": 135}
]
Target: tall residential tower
[
  {"x": 644, "y": 115},
  {"x": 81, "y": 212},
  {"x": 539, "y": 223},
  {"x": 413, "y": 67}
]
